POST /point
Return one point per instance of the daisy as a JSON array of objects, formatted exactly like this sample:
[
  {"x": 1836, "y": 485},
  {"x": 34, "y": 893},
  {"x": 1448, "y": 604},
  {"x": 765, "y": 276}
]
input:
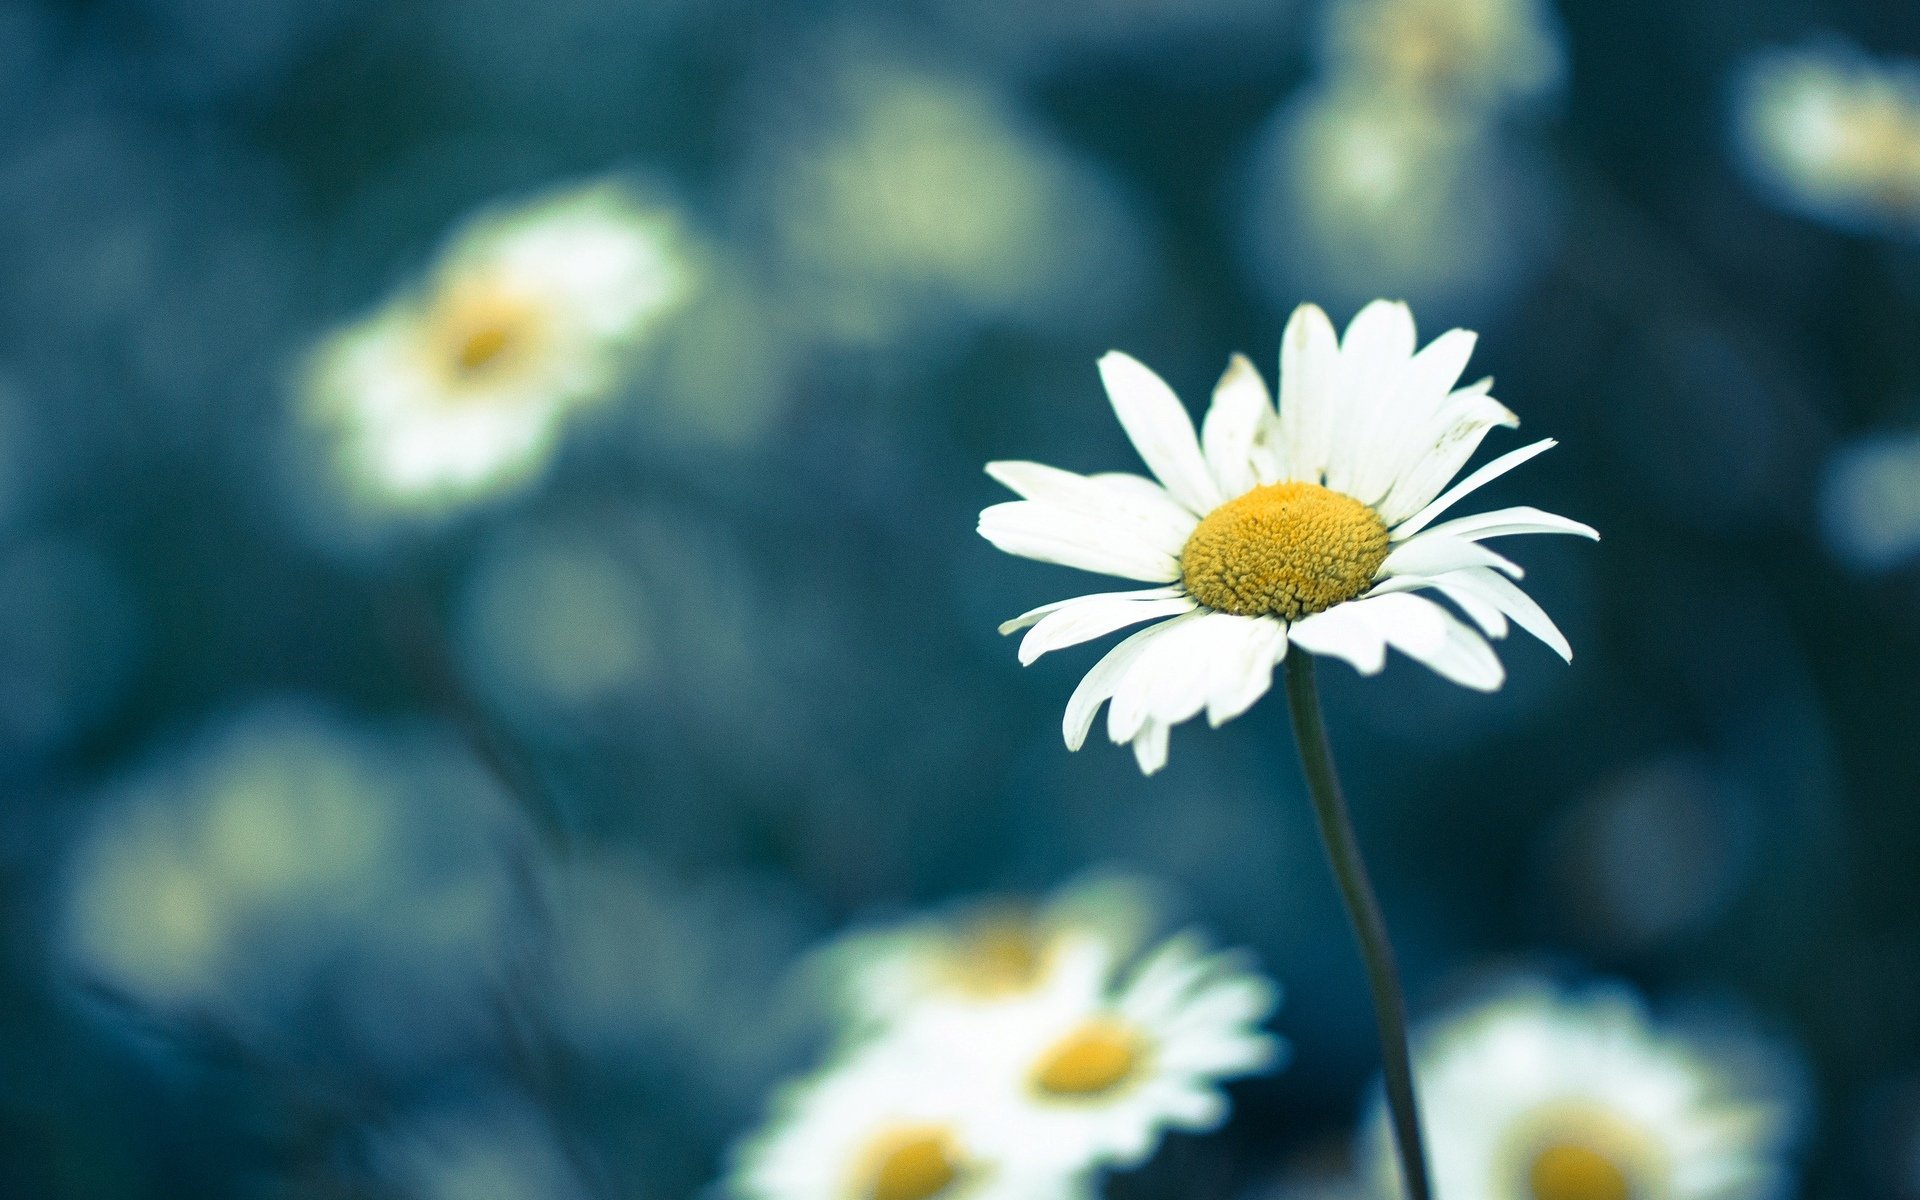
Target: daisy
[
  {"x": 1834, "y": 134},
  {"x": 1539, "y": 1095},
  {"x": 887, "y": 1124},
  {"x": 1312, "y": 526},
  {"x": 1087, "y": 1073},
  {"x": 458, "y": 387},
  {"x": 989, "y": 953}
]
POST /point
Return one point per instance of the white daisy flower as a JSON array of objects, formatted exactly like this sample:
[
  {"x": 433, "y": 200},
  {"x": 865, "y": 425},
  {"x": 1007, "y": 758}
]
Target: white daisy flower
[
  {"x": 1085, "y": 1073},
  {"x": 1536, "y": 1095},
  {"x": 989, "y": 953},
  {"x": 1834, "y": 134},
  {"x": 889, "y": 1124},
  {"x": 459, "y": 387},
  {"x": 1313, "y": 525}
]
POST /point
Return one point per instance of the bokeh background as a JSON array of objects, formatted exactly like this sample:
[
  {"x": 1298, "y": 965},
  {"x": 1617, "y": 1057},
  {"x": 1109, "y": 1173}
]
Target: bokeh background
[{"x": 468, "y": 858}]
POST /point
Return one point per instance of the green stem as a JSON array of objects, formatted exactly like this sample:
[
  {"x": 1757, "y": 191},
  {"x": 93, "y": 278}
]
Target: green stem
[{"x": 1383, "y": 978}]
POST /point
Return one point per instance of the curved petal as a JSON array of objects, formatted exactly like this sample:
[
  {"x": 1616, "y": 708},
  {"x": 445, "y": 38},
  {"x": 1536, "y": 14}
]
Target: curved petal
[
  {"x": 1449, "y": 442},
  {"x": 1169, "y": 681},
  {"x": 1131, "y": 500},
  {"x": 1160, "y": 429},
  {"x": 1436, "y": 554},
  {"x": 1421, "y": 390},
  {"x": 1493, "y": 588},
  {"x": 1374, "y": 355},
  {"x": 1034, "y": 614},
  {"x": 1240, "y": 678},
  {"x": 1150, "y": 746},
  {"x": 1339, "y": 633},
  {"x": 1057, "y": 535},
  {"x": 1480, "y": 478},
  {"x": 1309, "y": 360},
  {"x": 1491, "y": 620},
  {"x": 1240, "y": 407},
  {"x": 1097, "y": 686},
  {"x": 1505, "y": 522},
  {"x": 1093, "y": 617},
  {"x": 1422, "y": 630}
]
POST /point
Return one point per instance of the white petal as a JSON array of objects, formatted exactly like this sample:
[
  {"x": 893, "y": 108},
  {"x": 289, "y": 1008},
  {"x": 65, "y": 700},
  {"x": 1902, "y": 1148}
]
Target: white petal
[
  {"x": 1169, "y": 681},
  {"x": 1504, "y": 522},
  {"x": 1435, "y": 554},
  {"x": 1034, "y": 614},
  {"x": 1124, "y": 500},
  {"x": 1486, "y": 474},
  {"x": 1393, "y": 445},
  {"x": 1160, "y": 429},
  {"x": 1509, "y": 599},
  {"x": 1309, "y": 360},
  {"x": 1240, "y": 407},
  {"x": 1374, "y": 355},
  {"x": 1056, "y": 535},
  {"x": 1243, "y": 675},
  {"x": 1338, "y": 632},
  {"x": 1093, "y": 617},
  {"x": 1150, "y": 746},
  {"x": 1452, "y": 438},
  {"x": 1490, "y": 619},
  {"x": 1098, "y": 684},
  {"x": 1422, "y": 630}
]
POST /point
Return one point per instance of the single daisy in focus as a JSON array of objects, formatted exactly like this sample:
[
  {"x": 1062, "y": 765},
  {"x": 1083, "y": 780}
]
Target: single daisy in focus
[
  {"x": 1536, "y": 1095},
  {"x": 886, "y": 1124},
  {"x": 1088, "y": 1073},
  {"x": 1312, "y": 526},
  {"x": 1834, "y": 134},
  {"x": 459, "y": 387},
  {"x": 989, "y": 953}
]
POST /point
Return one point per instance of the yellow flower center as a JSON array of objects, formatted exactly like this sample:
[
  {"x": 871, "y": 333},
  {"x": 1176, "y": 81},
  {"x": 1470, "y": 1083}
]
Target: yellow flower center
[
  {"x": 1571, "y": 1171},
  {"x": 911, "y": 1162},
  {"x": 1095, "y": 1059},
  {"x": 1286, "y": 549},
  {"x": 482, "y": 329},
  {"x": 1000, "y": 954}
]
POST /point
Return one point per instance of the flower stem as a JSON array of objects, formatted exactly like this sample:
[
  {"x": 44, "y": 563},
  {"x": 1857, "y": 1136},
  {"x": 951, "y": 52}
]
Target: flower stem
[{"x": 1363, "y": 910}]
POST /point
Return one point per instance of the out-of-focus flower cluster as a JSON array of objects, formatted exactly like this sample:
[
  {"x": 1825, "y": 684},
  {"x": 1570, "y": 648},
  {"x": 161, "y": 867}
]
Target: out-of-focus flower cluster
[{"x": 1011, "y": 1050}]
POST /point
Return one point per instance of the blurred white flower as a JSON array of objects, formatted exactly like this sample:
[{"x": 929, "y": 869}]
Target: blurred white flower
[
  {"x": 1834, "y": 134},
  {"x": 1092, "y": 1072},
  {"x": 1540, "y": 1095},
  {"x": 1310, "y": 525},
  {"x": 1353, "y": 192},
  {"x": 890, "y": 1123},
  {"x": 920, "y": 200},
  {"x": 460, "y": 387},
  {"x": 1481, "y": 53},
  {"x": 1870, "y": 501},
  {"x": 986, "y": 955}
]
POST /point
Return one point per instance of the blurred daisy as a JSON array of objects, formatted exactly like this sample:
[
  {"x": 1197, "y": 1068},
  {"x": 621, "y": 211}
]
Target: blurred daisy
[
  {"x": 887, "y": 1124},
  {"x": 1537, "y": 1095},
  {"x": 460, "y": 387},
  {"x": 1834, "y": 134},
  {"x": 1473, "y": 51},
  {"x": 1312, "y": 525},
  {"x": 1087, "y": 1072},
  {"x": 1353, "y": 191},
  {"x": 988, "y": 954}
]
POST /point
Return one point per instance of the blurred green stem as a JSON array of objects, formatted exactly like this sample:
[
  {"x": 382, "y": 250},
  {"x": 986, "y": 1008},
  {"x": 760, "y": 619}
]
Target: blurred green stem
[{"x": 1363, "y": 909}]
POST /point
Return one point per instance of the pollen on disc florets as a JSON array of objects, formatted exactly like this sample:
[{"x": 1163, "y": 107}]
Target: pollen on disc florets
[{"x": 1286, "y": 550}]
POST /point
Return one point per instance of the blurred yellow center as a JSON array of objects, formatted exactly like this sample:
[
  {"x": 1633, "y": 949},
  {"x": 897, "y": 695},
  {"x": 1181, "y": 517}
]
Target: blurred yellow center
[
  {"x": 998, "y": 955},
  {"x": 482, "y": 329},
  {"x": 1094, "y": 1059},
  {"x": 1570, "y": 1171},
  {"x": 914, "y": 1162},
  {"x": 1286, "y": 550}
]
